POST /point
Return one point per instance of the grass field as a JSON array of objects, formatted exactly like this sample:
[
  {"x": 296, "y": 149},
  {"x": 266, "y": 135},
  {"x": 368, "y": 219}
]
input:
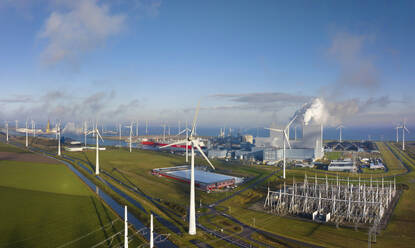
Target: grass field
[
  {"x": 333, "y": 155},
  {"x": 134, "y": 168},
  {"x": 46, "y": 205},
  {"x": 123, "y": 157}
]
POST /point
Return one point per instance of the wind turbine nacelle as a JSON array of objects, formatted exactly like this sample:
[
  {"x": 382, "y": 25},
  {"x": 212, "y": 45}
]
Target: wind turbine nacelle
[{"x": 202, "y": 144}]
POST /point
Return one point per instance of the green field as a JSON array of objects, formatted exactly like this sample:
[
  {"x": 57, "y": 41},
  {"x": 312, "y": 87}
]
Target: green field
[
  {"x": 333, "y": 155},
  {"x": 134, "y": 168},
  {"x": 46, "y": 205}
]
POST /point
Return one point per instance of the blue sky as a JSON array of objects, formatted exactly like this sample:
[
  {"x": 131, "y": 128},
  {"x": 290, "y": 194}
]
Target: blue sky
[{"x": 250, "y": 63}]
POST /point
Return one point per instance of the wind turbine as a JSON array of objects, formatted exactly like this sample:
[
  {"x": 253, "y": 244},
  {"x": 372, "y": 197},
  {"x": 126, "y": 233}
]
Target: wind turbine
[
  {"x": 193, "y": 142},
  {"x": 85, "y": 132},
  {"x": 97, "y": 135},
  {"x": 403, "y": 134},
  {"x": 151, "y": 232},
  {"x": 58, "y": 131},
  {"x": 17, "y": 124},
  {"x": 131, "y": 134},
  {"x": 397, "y": 132},
  {"x": 340, "y": 127},
  {"x": 125, "y": 226},
  {"x": 284, "y": 139}
]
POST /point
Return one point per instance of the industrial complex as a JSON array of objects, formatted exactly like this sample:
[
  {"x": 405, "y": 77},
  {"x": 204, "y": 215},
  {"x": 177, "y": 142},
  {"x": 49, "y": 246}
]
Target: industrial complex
[{"x": 204, "y": 180}]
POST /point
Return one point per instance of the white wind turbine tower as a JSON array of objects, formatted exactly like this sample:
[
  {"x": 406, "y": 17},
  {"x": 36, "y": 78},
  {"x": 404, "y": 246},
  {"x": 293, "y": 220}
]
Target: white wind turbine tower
[
  {"x": 193, "y": 142},
  {"x": 17, "y": 124},
  {"x": 98, "y": 136},
  {"x": 131, "y": 135},
  {"x": 125, "y": 227},
  {"x": 397, "y": 132},
  {"x": 151, "y": 232},
  {"x": 85, "y": 132},
  {"x": 403, "y": 134},
  {"x": 284, "y": 139},
  {"x": 340, "y": 127},
  {"x": 58, "y": 131}
]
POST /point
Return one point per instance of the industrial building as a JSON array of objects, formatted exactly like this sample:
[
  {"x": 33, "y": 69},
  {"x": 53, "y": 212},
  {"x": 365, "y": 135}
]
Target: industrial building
[
  {"x": 204, "y": 180},
  {"x": 307, "y": 146},
  {"x": 342, "y": 165}
]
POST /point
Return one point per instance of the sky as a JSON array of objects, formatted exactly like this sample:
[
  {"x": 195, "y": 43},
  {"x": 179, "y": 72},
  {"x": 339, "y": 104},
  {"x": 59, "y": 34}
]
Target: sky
[{"x": 249, "y": 63}]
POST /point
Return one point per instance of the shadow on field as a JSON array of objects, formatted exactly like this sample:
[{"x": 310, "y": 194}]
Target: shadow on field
[
  {"x": 128, "y": 180},
  {"x": 16, "y": 239},
  {"x": 88, "y": 161},
  {"x": 99, "y": 218},
  {"x": 109, "y": 220}
]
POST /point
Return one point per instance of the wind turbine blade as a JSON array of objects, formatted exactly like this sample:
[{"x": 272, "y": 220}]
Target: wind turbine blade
[
  {"x": 287, "y": 139},
  {"x": 406, "y": 129},
  {"x": 175, "y": 143},
  {"x": 274, "y": 129},
  {"x": 195, "y": 119},
  {"x": 99, "y": 135},
  {"x": 203, "y": 154},
  {"x": 184, "y": 130},
  {"x": 289, "y": 124}
]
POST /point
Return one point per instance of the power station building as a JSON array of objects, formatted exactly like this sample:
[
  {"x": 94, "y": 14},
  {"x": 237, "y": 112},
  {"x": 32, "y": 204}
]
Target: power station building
[{"x": 306, "y": 143}]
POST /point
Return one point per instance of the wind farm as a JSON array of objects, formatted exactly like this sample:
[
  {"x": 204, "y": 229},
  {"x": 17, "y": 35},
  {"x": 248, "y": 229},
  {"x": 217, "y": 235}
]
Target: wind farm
[{"x": 206, "y": 124}]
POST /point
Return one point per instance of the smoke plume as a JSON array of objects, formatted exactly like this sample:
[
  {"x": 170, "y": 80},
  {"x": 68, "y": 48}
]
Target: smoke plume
[{"x": 313, "y": 112}]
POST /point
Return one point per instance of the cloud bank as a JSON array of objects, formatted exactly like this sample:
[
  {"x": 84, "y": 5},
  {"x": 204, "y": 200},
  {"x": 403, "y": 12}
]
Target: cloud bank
[{"x": 100, "y": 105}]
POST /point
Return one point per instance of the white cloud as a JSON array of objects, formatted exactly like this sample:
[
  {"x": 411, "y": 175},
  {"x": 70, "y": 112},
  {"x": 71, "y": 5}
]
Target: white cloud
[{"x": 79, "y": 28}]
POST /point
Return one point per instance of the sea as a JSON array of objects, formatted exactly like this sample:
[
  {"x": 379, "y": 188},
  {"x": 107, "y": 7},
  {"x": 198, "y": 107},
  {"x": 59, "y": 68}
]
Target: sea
[{"x": 329, "y": 133}]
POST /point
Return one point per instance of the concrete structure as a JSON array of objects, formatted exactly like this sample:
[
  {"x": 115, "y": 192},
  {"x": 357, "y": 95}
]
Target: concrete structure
[
  {"x": 342, "y": 165},
  {"x": 377, "y": 164},
  {"x": 274, "y": 154},
  {"x": 309, "y": 146},
  {"x": 214, "y": 153}
]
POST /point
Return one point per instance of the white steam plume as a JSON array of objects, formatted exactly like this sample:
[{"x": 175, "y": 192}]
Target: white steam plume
[{"x": 313, "y": 112}]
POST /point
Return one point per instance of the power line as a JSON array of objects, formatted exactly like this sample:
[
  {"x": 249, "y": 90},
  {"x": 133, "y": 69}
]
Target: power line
[{"x": 86, "y": 235}]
